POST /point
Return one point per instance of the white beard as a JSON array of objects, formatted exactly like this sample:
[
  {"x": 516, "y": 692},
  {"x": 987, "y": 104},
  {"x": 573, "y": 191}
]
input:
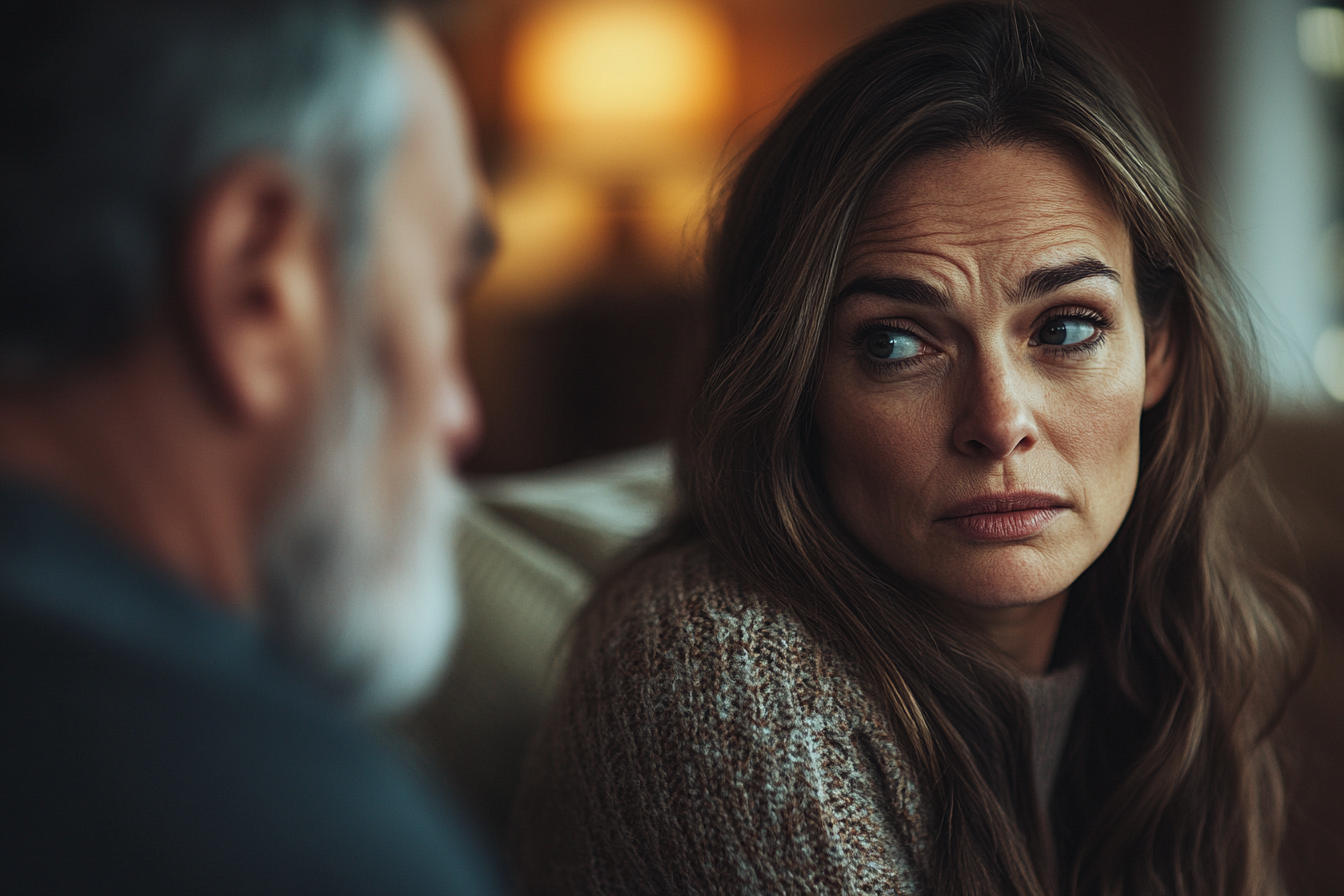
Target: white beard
[{"x": 362, "y": 586}]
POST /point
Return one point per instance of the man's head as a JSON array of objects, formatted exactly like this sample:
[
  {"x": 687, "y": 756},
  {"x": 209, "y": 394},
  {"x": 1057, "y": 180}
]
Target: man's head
[
  {"x": 369, "y": 517},
  {"x": 235, "y": 234}
]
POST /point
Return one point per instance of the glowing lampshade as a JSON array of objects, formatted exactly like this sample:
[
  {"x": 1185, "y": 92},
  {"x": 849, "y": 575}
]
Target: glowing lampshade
[{"x": 621, "y": 86}]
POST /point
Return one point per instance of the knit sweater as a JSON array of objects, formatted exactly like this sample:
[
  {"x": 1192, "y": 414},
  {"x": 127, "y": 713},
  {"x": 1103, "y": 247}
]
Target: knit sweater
[{"x": 707, "y": 743}]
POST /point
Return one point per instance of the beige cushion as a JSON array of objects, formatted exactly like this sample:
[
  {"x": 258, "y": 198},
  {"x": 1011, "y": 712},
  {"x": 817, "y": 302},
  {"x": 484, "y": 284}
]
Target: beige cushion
[{"x": 529, "y": 550}]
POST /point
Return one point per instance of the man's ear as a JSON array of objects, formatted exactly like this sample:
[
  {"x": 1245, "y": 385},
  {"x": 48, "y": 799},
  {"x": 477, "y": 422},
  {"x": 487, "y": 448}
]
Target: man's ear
[
  {"x": 1160, "y": 366},
  {"x": 257, "y": 293}
]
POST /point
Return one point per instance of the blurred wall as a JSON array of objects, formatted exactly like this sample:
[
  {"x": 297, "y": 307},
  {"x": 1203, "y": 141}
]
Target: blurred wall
[{"x": 1276, "y": 186}]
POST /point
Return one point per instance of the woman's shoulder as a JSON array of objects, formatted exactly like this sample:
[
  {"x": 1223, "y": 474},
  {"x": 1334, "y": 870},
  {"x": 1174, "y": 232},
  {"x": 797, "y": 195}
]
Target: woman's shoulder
[
  {"x": 688, "y": 578},
  {"x": 705, "y": 730},
  {"x": 683, "y": 613},
  {"x": 690, "y": 585}
]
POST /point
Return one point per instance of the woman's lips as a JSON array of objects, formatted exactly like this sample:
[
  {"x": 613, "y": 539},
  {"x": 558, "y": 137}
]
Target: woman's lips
[{"x": 1006, "y": 517}]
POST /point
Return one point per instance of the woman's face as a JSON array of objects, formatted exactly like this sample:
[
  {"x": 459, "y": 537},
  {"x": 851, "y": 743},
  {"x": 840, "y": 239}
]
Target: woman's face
[{"x": 978, "y": 414}]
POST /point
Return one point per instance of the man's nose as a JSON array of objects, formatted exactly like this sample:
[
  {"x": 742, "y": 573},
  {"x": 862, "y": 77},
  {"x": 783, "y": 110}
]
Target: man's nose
[
  {"x": 997, "y": 416},
  {"x": 459, "y": 421}
]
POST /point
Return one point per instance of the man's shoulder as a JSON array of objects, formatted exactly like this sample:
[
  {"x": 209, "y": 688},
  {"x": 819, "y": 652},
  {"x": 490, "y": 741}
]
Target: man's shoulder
[{"x": 137, "y": 768}]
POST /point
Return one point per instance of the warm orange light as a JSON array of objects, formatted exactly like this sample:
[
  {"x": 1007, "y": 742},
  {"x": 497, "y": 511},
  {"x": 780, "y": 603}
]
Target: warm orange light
[
  {"x": 675, "y": 215},
  {"x": 621, "y": 83},
  {"x": 553, "y": 233}
]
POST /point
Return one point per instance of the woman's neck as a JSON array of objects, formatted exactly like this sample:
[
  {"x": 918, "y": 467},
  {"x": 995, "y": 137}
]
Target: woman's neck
[{"x": 1025, "y": 634}]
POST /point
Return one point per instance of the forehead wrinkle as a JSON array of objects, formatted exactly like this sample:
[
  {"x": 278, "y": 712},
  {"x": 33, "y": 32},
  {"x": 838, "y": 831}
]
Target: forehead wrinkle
[
  {"x": 948, "y": 244},
  {"x": 897, "y": 202},
  {"x": 940, "y": 277},
  {"x": 935, "y": 276},
  {"x": 916, "y": 194},
  {"x": 928, "y": 223},
  {"x": 1016, "y": 220}
]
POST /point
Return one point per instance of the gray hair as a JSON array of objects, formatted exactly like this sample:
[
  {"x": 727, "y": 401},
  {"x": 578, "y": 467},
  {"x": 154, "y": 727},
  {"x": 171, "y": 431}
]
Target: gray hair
[{"x": 119, "y": 114}]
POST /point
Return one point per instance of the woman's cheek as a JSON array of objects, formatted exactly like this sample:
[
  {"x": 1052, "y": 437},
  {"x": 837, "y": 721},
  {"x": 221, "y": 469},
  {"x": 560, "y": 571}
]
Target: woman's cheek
[
  {"x": 877, "y": 451},
  {"x": 1097, "y": 433}
]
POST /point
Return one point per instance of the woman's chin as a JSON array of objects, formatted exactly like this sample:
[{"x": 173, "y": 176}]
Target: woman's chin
[
  {"x": 984, "y": 599},
  {"x": 1015, "y": 577}
]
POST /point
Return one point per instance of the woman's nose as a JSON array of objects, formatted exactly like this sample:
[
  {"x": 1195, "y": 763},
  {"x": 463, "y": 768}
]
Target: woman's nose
[{"x": 996, "y": 417}]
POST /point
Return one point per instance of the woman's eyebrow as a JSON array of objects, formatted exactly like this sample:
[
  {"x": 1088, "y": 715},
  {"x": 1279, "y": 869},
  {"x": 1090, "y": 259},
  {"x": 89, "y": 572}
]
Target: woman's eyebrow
[
  {"x": 1044, "y": 281},
  {"x": 903, "y": 289},
  {"x": 1039, "y": 282}
]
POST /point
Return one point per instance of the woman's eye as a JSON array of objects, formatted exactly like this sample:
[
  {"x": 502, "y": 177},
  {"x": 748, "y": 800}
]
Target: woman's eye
[
  {"x": 892, "y": 345},
  {"x": 1067, "y": 331}
]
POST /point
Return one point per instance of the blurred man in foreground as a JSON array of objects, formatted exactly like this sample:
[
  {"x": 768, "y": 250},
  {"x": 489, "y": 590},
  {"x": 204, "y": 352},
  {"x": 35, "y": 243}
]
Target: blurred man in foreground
[{"x": 233, "y": 236}]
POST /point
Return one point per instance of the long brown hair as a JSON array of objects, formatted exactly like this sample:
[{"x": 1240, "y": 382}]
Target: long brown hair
[{"x": 1169, "y": 785}]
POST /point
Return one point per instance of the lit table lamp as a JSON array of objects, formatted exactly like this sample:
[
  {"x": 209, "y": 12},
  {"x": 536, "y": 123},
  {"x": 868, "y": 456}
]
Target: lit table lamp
[
  {"x": 624, "y": 102},
  {"x": 621, "y": 90}
]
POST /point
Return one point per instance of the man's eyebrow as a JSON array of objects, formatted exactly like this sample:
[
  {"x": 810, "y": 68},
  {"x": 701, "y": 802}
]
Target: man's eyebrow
[
  {"x": 902, "y": 289},
  {"x": 1046, "y": 280}
]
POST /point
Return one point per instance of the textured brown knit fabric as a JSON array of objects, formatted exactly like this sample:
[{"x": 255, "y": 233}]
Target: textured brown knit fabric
[{"x": 708, "y": 744}]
